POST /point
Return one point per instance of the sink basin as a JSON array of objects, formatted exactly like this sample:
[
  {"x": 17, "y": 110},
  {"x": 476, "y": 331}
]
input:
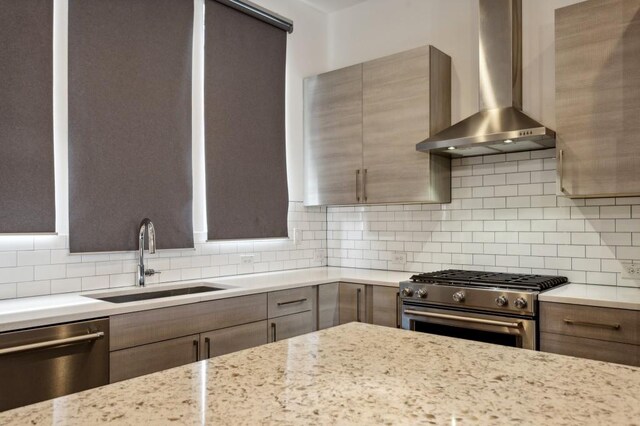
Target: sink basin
[{"x": 134, "y": 297}]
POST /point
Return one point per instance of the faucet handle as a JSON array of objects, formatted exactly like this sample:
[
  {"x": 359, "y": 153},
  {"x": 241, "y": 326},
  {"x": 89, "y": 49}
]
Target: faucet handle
[{"x": 149, "y": 272}]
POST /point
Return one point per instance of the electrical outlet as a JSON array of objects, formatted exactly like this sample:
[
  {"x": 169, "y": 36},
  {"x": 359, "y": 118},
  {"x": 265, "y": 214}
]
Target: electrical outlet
[
  {"x": 318, "y": 255},
  {"x": 297, "y": 236},
  {"x": 399, "y": 257},
  {"x": 246, "y": 259},
  {"x": 631, "y": 271}
]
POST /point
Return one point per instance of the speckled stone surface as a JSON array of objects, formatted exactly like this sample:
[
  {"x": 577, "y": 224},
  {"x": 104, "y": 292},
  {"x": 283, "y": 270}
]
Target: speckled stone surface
[{"x": 362, "y": 374}]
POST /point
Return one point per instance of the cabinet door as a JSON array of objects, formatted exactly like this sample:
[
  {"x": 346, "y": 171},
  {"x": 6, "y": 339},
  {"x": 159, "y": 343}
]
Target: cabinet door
[
  {"x": 233, "y": 339},
  {"x": 598, "y": 98},
  {"x": 146, "y": 359},
  {"x": 396, "y": 116},
  {"x": 333, "y": 136},
  {"x": 139, "y": 328},
  {"x": 352, "y": 303},
  {"x": 385, "y": 306},
  {"x": 290, "y": 326},
  {"x": 328, "y": 305}
]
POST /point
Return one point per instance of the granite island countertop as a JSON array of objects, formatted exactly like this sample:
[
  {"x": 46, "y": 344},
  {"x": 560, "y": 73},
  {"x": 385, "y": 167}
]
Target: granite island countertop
[{"x": 361, "y": 374}]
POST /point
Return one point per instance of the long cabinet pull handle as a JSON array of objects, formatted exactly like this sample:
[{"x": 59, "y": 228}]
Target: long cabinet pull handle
[
  {"x": 53, "y": 343},
  {"x": 273, "y": 331},
  {"x": 207, "y": 341},
  {"x": 364, "y": 185},
  {"x": 292, "y": 302},
  {"x": 561, "y": 170},
  {"x": 196, "y": 344},
  {"x": 358, "y": 292},
  {"x": 465, "y": 319},
  {"x": 614, "y": 326},
  {"x": 398, "y": 309},
  {"x": 358, "y": 185}
]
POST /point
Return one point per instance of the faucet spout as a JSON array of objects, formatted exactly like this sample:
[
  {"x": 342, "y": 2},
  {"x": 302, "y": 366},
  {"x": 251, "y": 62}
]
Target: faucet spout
[{"x": 146, "y": 228}]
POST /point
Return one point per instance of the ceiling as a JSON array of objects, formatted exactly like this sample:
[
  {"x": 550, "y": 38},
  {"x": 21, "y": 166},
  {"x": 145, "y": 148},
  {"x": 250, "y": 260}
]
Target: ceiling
[{"x": 329, "y": 6}]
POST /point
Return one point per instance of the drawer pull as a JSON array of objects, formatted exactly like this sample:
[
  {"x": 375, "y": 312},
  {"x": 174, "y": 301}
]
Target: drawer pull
[
  {"x": 592, "y": 324},
  {"x": 291, "y": 302}
]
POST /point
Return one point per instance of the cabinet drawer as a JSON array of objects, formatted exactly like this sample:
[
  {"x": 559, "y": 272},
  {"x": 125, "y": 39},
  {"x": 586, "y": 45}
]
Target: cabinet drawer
[
  {"x": 291, "y": 301},
  {"x": 233, "y": 339},
  {"x": 146, "y": 359},
  {"x": 615, "y": 325},
  {"x": 600, "y": 350},
  {"x": 139, "y": 328},
  {"x": 290, "y": 326}
]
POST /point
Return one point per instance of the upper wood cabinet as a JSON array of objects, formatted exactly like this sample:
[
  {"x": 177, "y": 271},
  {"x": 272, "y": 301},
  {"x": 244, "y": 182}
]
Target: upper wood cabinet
[
  {"x": 598, "y": 98},
  {"x": 362, "y": 124},
  {"x": 333, "y": 136}
]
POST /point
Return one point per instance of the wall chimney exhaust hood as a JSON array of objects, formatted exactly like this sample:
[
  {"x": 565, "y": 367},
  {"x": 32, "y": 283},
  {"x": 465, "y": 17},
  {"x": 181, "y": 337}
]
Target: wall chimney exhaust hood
[{"x": 500, "y": 126}]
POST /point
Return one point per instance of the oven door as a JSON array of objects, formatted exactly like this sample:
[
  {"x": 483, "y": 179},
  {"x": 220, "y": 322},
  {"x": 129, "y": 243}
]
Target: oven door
[{"x": 502, "y": 330}]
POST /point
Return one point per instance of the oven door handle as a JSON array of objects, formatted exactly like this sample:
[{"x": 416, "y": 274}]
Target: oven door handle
[{"x": 517, "y": 324}]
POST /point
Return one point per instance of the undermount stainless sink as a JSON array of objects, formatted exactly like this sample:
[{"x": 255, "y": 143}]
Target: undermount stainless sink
[{"x": 146, "y": 295}]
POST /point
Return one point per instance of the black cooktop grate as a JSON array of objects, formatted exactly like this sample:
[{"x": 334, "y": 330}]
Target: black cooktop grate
[{"x": 493, "y": 279}]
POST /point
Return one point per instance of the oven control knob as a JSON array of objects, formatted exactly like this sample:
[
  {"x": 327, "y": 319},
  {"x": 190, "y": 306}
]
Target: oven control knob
[
  {"x": 458, "y": 296},
  {"x": 421, "y": 293},
  {"x": 407, "y": 292},
  {"x": 520, "y": 303},
  {"x": 501, "y": 301}
]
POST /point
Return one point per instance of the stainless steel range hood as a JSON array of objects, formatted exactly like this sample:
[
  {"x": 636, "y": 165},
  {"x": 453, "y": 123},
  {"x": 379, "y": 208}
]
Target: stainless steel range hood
[{"x": 500, "y": 126}]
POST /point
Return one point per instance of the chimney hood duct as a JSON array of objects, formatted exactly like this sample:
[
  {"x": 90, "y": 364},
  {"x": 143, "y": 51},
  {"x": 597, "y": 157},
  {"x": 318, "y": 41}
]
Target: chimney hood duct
[{"x": 500, "y": 126}]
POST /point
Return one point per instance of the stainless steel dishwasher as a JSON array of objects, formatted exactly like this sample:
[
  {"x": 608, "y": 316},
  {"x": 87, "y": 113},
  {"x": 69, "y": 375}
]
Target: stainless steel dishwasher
[{"x": 44, "y": 363}]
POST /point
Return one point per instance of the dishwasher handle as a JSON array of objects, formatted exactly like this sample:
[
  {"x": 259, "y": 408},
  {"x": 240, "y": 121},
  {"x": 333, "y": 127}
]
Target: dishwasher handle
[{"x": 53, "y": 343}]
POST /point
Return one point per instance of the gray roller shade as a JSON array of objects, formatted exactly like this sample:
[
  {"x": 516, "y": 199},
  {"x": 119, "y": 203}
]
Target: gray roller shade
[
  {"x": 247, "y": 195},
  {"x": 129, "y": 122},
  {"x": 27, "y": 192}
]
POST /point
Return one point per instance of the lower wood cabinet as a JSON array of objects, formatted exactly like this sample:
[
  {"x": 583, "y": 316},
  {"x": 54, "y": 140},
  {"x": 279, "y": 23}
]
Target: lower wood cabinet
[
  {"x": 620, "y": 353},
  {"x": 148, "y": 341},
  {"x": 603, "y": 334},
  {"x": 146, "y": 359},
  {"x": 341, "y": 303},
  {"x": 352, "y": 303},
  {"x": 328, "y": 305},
  {"x": 290, "y": 326},
  {"x": 385, "y": 306},
  {"x": 232, "y": 339}
]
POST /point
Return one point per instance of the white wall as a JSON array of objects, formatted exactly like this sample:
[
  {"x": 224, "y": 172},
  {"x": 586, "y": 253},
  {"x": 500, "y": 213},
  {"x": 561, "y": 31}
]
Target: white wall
[{"x": 381, "y": 27}]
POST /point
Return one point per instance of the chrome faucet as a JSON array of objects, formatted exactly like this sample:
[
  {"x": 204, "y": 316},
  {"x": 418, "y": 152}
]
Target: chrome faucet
[{"x": 146, "y": 226}]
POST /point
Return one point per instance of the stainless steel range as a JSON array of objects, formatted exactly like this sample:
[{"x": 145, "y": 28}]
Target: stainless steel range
[{"x": 485, "y": 306}]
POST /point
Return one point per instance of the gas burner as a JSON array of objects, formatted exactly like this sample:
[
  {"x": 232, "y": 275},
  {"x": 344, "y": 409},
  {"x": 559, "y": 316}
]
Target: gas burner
[{"x": 489, "y": 279}]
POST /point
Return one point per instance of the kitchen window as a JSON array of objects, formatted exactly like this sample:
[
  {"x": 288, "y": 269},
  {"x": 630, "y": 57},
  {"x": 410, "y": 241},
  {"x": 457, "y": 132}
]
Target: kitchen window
[{"x": 245, "y": 152}]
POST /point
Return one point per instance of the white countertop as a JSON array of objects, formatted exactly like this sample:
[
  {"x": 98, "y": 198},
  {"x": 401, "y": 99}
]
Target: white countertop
[
  {"x": 16, "y": 314},
  {"x": 359, "y": 374},
  {"x": 38, "y": 311},
  {"x": 594, "y": 295}
]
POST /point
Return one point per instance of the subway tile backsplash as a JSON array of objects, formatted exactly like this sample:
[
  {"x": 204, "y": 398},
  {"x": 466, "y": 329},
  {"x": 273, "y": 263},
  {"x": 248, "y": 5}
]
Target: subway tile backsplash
[
  {"x": 41, "y": 265},
  {"x": 504, "y": 216}
]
